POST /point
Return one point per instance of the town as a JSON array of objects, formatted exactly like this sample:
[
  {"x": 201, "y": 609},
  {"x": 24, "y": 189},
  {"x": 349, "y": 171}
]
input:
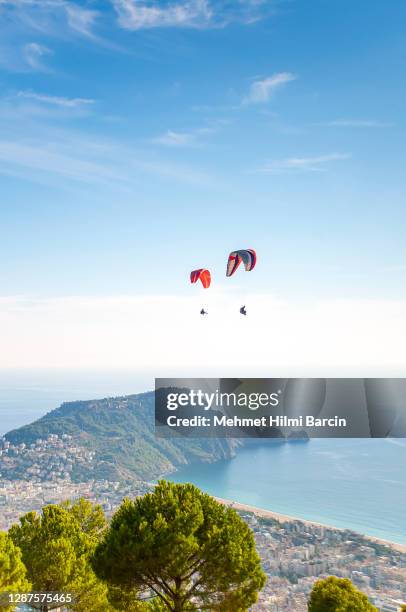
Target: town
[{"x": 294, "y": 553}]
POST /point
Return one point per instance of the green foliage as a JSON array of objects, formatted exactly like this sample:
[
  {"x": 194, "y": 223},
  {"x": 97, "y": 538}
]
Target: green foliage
[
  {"x": 56, "y": 546},
  {"x": 338, "y": 595},
  {"x": 91, "y": 519},
  {"x": 180, "y": 544},
  {"x": 126, "y": 600},
  {"x": 12, "y": 570}
]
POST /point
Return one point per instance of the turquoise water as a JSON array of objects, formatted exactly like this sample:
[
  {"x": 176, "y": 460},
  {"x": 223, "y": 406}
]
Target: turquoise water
[{"x": 355, "y": 484}]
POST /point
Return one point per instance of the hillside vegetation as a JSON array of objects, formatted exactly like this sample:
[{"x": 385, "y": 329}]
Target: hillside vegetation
[{"x": 118, "y": 434}]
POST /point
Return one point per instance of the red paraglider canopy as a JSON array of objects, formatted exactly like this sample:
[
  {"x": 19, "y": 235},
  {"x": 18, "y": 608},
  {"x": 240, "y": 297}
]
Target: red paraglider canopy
[{"x": 203, "y": 275}]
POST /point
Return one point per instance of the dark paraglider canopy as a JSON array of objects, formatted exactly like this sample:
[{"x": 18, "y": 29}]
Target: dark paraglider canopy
[{"x": 247, "y": 256}]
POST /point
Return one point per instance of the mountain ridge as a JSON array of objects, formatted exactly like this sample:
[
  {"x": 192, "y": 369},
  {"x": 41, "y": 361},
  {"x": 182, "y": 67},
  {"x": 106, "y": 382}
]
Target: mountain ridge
[{"x": 111, "y": 438}]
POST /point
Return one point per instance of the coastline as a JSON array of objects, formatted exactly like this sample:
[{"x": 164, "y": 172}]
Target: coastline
[{"x": 284, "y": 518}]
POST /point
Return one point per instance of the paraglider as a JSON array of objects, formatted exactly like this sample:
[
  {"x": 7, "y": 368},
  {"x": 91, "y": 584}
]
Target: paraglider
[
  {"x": 247, "y": 256},
  {"x": 203, "y": 275},
  {"x": 205, "y": 278}
]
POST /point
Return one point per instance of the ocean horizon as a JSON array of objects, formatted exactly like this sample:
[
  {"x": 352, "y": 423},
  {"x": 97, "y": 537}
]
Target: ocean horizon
[{"x": 26, "y": 395}]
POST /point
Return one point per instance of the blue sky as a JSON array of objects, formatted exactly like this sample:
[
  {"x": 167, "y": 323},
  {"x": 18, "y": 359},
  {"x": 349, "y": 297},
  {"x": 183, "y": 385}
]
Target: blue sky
[{"x": 142, "y": 139}]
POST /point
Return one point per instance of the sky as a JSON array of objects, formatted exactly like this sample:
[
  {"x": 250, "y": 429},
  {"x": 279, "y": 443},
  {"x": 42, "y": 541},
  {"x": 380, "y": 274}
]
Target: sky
[{"x": 141, "y": 139}]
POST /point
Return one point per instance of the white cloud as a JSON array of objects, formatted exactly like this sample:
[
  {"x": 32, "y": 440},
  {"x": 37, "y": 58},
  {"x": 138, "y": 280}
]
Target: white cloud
[
  {"x": 56, "y": 100},
  {"x": 356, "y": 123},
  {"x": 262, "y": 90},
  {"x": 175, "y": 139},
  {"x": 59, "y": 18},
  {"x": 302, "y": 164},
  {"x": 80, "y": 19},
  {"x": 50, "y": 16},
  {"x": 52, "y": 159},
  {"x": 181, "y": 139},
  {"x": 34, "y": 54},
  {"x": 136, "y": 14},
  {"x": 46, "y": 155},
  {"x": 320, "y": 337},
  {"x": 145, "y": 14}
]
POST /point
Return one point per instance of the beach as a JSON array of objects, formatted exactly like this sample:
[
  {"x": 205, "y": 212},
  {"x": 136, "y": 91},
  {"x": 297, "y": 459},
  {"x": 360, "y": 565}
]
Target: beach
[{"x": 283, "y": 518}]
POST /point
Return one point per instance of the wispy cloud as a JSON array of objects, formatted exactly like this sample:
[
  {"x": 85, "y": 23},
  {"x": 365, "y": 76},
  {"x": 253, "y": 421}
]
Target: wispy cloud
[
  {"x": 302, "y": 164},
  {"x": 60, "y": 18},
  {"x": 181, "y": 139},
  {"x": 144, "y": 14},
  {"x": 57, "y": 156},
  {"x": 263, "y": 89},
  {"x": 356, "y": 123},
  {"x": 34, "y": 53},
  {"x": 56, "y": 100},
  {"x": 136, "y": 15},
  {"x": 81, "y": 20},
  {"x": 49, "y": 16},
  {"x": 33, "y": 160}
]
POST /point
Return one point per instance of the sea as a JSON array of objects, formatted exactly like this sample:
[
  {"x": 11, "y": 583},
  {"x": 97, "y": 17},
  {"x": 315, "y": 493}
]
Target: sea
[
  {"x": 347, "y": 483},
  {"x": 357, "y": 484}
]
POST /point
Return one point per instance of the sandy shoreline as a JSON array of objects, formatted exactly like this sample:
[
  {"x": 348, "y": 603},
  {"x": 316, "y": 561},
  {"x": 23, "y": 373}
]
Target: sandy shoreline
[{"x": 284, "y": 518}]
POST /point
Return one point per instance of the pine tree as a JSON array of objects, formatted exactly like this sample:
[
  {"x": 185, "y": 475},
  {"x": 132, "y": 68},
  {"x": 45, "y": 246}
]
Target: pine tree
[
  {"x": 338, "y": 595},
  {"x": 183, "y": 547},
  {"x": 12, "y": 570},
  {"x": 56, "y": 546}
]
